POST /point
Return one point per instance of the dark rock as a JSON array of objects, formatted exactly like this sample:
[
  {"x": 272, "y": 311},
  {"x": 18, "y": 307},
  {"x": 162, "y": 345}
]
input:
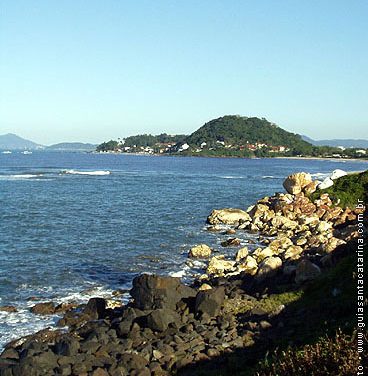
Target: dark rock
[
  {"x": 43, "y": 308},
  {"x": 124, "y": 327},
  {"x": 159, "y": 319},
  {"x": 231, "y": 242},
  {"x": 99, "y": 372},
  {"x": 10, "y": 354},
  {"x": 45, "y": 360},
  {"x": 210, "y": 301},
  {"x": 95, "y": 308},
  {"x": 73, "y": 319},
  {"x": 64, "y": 360},
  {"x": 79, "y": 368},
  {"x": 153, "y": 292},
  {"x": 65, "y": 307},
  {"x": 8, "y": 308},
  {"x": 133, "y": 361},
  {"x": 118, "y": 371},
  {"x": 67, "y": 346},
  {"x": 64, "y": 370}
]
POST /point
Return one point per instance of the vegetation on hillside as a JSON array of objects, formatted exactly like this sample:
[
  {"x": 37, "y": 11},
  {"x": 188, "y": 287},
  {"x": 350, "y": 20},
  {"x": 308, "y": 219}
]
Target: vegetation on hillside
[
  {"x": 108, "y": 146},
  {"x": 230, "y": 136},
  {"x": 150, "y": 140},
  {"x": 347, "y": 190},
  {"x": 240, "y": 131},
  {"x": 335, "y": 355}
]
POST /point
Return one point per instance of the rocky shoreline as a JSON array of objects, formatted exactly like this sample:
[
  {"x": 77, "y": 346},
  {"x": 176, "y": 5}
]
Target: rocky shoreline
[{"x": 237, "y": 305}]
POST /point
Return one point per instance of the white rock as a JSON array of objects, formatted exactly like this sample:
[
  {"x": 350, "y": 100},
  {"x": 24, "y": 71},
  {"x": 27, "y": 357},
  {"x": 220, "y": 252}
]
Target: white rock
[
  {"x": 337, "y": 174},
  {"x": 327, "y": 183}
]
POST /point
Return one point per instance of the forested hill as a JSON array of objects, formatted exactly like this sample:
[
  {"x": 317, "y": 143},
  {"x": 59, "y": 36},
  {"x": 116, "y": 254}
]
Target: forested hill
[
  {"x": 150, "y": 140},
  {"x": 239, "y": 130},
  {"x": 230, "y": 136}
]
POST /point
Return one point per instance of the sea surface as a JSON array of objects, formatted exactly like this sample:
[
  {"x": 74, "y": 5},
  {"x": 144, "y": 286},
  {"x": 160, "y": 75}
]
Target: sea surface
[{"x": 75, "y": 225}]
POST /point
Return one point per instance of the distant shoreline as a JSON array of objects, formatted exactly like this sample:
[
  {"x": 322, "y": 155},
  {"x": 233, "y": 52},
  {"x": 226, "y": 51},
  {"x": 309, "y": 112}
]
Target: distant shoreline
[
  {"x": 326, "y": 159},
  {"x": 237, "y": 157}
]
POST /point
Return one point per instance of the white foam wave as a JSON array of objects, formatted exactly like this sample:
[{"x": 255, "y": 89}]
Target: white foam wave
[
  {"x": 20, "y": 176},
  {"x": 231, "y": 177},
  {"x": 268, "y": 177},
  {"x": 92, "y": 173},
  {"x": 14, "y": 325}
]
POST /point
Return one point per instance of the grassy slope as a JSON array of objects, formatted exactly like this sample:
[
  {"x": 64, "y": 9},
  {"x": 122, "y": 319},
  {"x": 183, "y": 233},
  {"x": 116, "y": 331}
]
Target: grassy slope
[{"x": 348, "y": 189}]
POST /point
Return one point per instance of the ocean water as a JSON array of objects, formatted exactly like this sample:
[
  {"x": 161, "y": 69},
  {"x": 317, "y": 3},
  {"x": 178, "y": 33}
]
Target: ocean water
[{"x": 76, "y": 225}]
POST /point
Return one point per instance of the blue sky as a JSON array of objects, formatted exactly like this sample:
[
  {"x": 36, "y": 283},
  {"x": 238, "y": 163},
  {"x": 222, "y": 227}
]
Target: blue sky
[{"x": 96, "y": 70}]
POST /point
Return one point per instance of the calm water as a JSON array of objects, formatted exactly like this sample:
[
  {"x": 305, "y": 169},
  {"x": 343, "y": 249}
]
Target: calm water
[{"x": 67, "y": 236}]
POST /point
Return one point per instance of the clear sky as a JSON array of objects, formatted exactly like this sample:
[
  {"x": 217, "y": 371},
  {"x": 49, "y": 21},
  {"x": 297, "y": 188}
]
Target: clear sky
[{"x": 90, "y": 71}]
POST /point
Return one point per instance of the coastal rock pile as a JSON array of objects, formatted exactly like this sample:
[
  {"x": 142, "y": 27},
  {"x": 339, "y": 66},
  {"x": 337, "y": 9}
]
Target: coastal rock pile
[
  {"x": 168, "y": 325},
  {"x": 291, "y": 227}
]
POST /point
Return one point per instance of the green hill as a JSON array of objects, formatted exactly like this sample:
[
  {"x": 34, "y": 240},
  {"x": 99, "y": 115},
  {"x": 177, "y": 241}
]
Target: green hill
[
  {"x": 243, "y": 133},
  {"x": 150, "y": 140}
]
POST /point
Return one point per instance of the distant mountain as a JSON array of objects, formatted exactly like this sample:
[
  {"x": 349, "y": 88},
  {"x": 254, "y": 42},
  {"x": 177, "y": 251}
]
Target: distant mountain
[
  {"x": 72, "y": 146},
  {"x": 240, "y": 130},
  {"x": 346, "y": 143},
  {"x": 11, "y": 141}
]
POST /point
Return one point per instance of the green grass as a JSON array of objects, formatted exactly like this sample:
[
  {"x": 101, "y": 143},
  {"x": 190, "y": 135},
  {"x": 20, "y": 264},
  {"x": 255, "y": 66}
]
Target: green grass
[{"x": 348, "y": 189}]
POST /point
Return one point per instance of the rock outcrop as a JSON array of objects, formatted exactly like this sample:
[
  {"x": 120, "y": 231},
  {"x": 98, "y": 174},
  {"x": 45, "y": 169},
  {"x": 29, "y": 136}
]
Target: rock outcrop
[
  {"x": 200, "y": 251},
  {"x": 228, "y": 216},
  {"x": 295, "y": 183}
]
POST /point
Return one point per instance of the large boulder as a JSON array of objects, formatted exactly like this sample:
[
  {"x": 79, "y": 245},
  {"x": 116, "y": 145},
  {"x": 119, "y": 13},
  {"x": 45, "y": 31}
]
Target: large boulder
[
  {"x": 281, "y": 222},
  {"x": 262, "y": 253},
  {"x": 95, "y": 308},
  {"x": 306, "y": 271},
  {"x": 159, "y": 319},
  {"x": 332, "y": 244},
  {"x": 47, "y": 308},
  {"x": 200, "y": 251},
  {"x": 241, "y": 254},
  {"x": 153, "y": 292},
  {"x": 210, "y": 301},
  {"x": 218, "y": 266},
  {"x": 295, "y": 183},
  {"x": 249, "y": 265},
  {"x": 258, "y": 210},
  {"x": 311, "y": 187},
  {"x": 228, "y": 216},
  {"x": 268, "y": 267},
  {"x": 281, "y": 242},
  {"x": 293, "y": 252}
]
